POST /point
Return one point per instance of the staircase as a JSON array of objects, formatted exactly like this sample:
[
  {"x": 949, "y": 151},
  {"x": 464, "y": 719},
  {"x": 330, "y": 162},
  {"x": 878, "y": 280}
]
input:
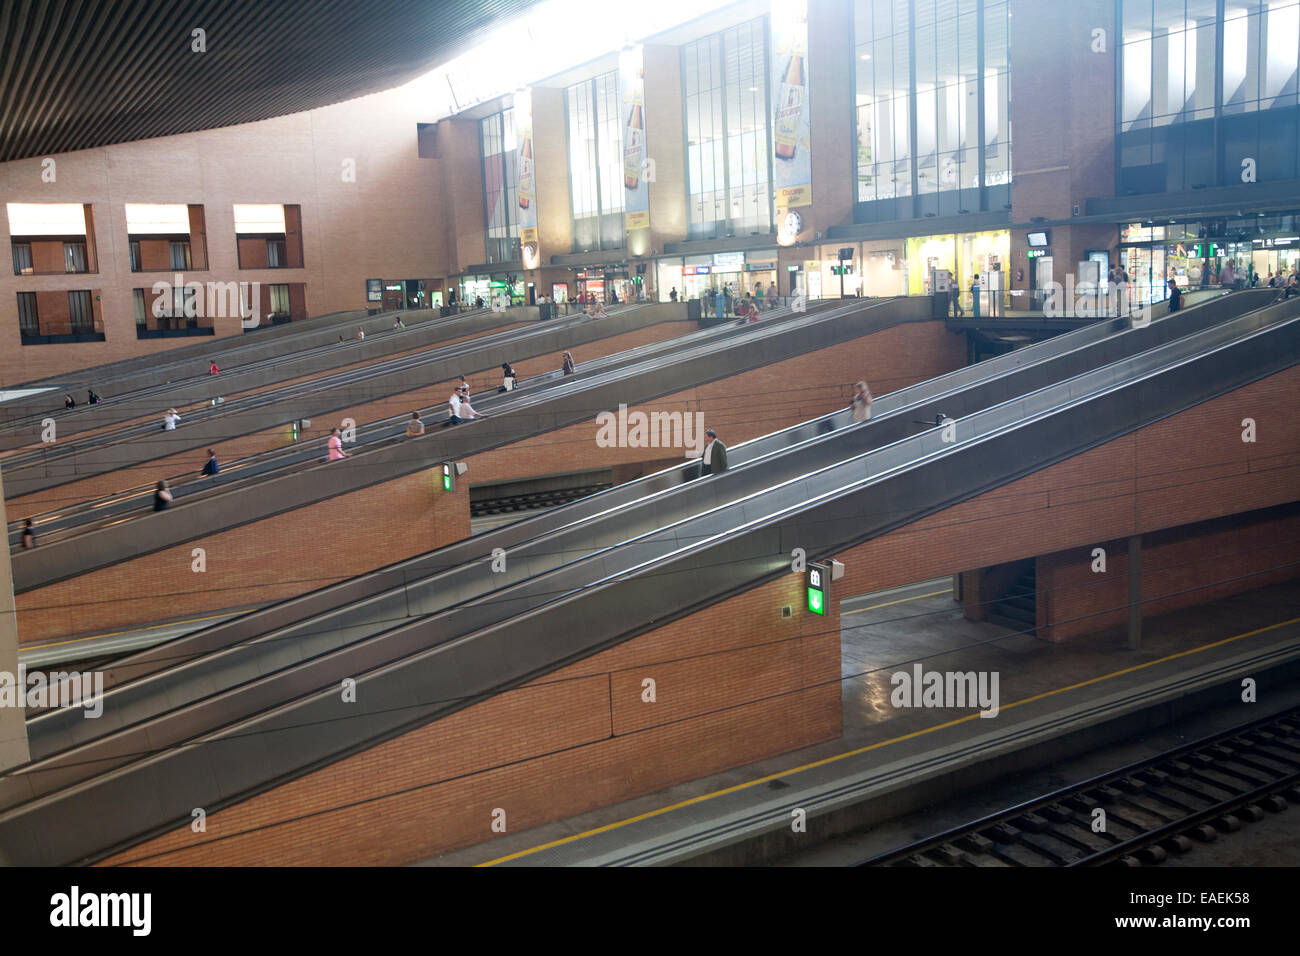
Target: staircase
[{"x": 1018, "y": 607}]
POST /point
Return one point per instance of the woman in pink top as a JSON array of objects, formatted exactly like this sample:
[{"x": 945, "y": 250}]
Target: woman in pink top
[{"x": 336, "y": 445}]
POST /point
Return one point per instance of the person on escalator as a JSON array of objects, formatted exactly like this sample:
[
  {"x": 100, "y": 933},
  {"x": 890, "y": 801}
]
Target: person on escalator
[
  {"x": 508, "y": 378},
  {"x": 211, "y": 466},
  {"x": 459, "y": 409},
  {"x": 162, "y": 497},
  {"x": 335, "y": 445},
  {"x": 714, "y": 459},
  {"x": 861, "y": 403},
  {"x": 91, "y": 397},
  {"x": 415, "y": 427},
  {"x": 29, "y": 535},
  {"x": 69, "y": 402},
  {"x": 568, "y": 368},
  {"x": 171, "y": 420}
]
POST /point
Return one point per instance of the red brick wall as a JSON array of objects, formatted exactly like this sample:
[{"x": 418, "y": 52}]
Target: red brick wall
[
  {"x": 735, "y": 683},
  {"x": 269, "y": 560},
  {"x": 1190, "y": 467},
  {"x": 1182, "y": 567}
]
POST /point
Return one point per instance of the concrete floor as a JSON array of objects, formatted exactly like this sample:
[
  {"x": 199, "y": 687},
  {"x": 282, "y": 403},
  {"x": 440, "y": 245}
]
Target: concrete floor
[{"x": 889, "y": 631}]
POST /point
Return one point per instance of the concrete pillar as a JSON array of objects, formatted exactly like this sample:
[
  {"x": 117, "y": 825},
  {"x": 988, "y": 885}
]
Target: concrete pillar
[
  {"x": 13, "y": 724},
  {"x": 1134, "y": 592}
]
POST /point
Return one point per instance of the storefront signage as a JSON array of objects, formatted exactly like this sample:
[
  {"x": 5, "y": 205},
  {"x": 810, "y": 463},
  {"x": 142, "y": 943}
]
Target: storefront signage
[
  {"x": 393, "y": 288},
  {"x": 729, "y": 261},
  {"x": 760, "y": 266},
  {"x": 374, "y": 290},
  {"x": 695, "y": 270},
  {"x": 1038, "y": 253}
]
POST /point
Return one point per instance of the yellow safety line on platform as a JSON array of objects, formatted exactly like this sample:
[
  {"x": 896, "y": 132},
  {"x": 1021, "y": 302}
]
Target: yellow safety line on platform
[
  {"x": 914, "y": 597},
  {"x": 883, "y": 743},
  {"x": 95, "y": 637}
]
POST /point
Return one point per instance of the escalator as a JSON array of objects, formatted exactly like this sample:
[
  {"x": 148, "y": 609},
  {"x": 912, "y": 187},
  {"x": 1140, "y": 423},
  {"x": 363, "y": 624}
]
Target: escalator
[{"x": 461, "y": 633}]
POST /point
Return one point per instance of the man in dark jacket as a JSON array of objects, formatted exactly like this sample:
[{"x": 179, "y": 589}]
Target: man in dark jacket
[{"x": 714, "y": 459}]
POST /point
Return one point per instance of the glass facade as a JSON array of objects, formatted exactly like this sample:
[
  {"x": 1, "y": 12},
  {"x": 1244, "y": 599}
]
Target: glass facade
[
  {"x": 932, "y": 102},
  {"x": 500, "y": 186},
  {"x": 595, "y": 163},
  {"x": 728, "y": 137},
  {"x": 1176, "y": 131}
]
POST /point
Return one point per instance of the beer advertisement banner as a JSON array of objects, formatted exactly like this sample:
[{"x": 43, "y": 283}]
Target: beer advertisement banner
[
  {"x": 526, "y": 173},
  {"x": 791, "y": 120},
  {"x": 636, "y": 191}
]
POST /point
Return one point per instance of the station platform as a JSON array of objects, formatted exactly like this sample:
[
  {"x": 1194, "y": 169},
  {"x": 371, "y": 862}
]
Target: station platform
[{"x": 1055, "y": 700}]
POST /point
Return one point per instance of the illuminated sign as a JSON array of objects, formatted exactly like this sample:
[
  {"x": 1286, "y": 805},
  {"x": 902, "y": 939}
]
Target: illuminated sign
[
  {"x": 448, "y": 477},
  {"x": 817, "y": 588}
]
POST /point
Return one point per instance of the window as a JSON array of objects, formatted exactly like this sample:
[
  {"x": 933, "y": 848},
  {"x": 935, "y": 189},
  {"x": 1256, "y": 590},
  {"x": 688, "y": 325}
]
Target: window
[
  {"x": 275, "y": 253},
  {"x": 74, "y": 257},
  {"x": 596, "y": 163},
  {"x": 180, "y": 254},
  {"x": 141, "y": 310},
  {"x": 135, "y": 256},
  {"x": 22, "y": 258},
  {"x": 81, "y": 311},
  {"x": 184, "y": 312},
  {"x": 28, "y": 324},
  {"x": 921, "y": 72},
  {"x": 500, "y": 186},
  {"x": 1187, "y": 118},
  {"x": 728, "y": 139},
  {"x": 279, "y": 300}
]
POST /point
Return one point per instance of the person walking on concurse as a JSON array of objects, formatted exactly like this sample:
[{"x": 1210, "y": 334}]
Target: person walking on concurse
[
  {"x": 335, "y": 445},
  {"x": 162, "y": 497},
  {"x": 672, "y": 296},
  {"x": 861, "y": 403},
  {"x": 714, "y": 459},
  {"x": 568, "y": 368},
  {"x": 1175, "y": 296}
]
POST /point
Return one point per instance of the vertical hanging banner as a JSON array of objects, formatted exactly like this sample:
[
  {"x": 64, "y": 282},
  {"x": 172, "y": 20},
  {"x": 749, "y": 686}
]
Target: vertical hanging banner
[
  {"x": 791, "y": 120},
  {"x": 527, "y": 178},
  {"x": 636, "y": 165}
]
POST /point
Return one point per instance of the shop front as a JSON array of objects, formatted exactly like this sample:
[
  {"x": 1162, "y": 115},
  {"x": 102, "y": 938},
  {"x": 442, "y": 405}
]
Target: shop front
[
  {"x": 965, "y": 255},
  {"x": 704, "y": 275},
  {"x": 1197, "y": 253},
  {"x": 606, "y": 284}
]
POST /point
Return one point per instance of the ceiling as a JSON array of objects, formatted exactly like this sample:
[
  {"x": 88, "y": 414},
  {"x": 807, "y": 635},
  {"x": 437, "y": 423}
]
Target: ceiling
[{"x": 76, "y": 74}]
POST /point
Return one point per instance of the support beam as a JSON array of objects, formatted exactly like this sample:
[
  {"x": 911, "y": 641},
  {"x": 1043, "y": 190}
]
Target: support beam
[{"x": 1134, "y": 592}]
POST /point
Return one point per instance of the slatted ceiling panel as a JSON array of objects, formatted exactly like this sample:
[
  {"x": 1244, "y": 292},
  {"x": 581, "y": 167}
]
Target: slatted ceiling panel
[{"x": 76, "y": 74}]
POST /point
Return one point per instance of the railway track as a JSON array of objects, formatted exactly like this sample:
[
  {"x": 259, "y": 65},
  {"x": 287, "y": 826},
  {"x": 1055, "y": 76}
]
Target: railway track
[{"x": 1135, "y": 816}]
